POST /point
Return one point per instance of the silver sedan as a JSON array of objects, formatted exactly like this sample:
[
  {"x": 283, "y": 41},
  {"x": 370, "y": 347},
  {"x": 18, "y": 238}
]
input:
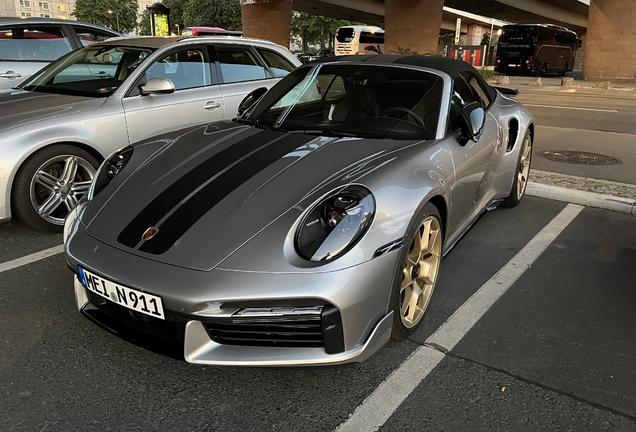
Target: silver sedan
[{"x": 60, "y": 125}]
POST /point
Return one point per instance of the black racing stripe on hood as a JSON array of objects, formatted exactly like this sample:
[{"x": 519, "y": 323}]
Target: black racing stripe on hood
[
  {"x": 180, "y": 189},
  {"x": 178, "y": 223}
]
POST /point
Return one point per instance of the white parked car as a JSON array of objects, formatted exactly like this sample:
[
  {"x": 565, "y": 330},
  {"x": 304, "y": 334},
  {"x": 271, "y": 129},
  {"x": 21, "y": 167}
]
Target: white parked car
[{"x": 57, "y": 127}]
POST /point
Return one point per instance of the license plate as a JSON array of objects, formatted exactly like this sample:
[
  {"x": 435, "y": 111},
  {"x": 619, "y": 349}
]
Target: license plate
[
  {"x": 513, "y": 65},
  {"x": 127, "y": 297}
]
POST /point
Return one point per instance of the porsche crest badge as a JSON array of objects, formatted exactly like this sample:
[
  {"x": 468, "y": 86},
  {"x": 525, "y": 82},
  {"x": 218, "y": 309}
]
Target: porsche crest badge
[{"x": 150, "y": 233}]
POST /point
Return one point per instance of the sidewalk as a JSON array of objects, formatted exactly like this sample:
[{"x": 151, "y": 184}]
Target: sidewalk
[
  {"x": 620, "y": 197},
  {"x": 552, "y": 84}
]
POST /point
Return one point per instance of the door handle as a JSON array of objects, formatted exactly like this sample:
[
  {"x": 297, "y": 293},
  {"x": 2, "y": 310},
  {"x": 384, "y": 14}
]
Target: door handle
[
  {"x": 211, "y": 105},
  {"x": 10, "y": 74}
]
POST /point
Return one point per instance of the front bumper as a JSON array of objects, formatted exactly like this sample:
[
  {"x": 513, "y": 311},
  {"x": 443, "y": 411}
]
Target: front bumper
[{"x": 190, "y": 335}]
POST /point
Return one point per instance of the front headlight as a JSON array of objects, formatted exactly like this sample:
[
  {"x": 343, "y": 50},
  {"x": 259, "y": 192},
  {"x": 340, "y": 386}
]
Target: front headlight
[
  {"x": 335, "y": 224},
  {"x": 109, "y": 170}
]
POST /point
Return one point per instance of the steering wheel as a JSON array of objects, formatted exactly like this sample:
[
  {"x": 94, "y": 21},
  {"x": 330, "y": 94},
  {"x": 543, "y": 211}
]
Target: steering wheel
[{"x": 409, "y": 114}]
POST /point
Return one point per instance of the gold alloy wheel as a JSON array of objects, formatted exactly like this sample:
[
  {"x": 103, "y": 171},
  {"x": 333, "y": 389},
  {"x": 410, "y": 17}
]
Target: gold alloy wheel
[
  {"x": 420, "y": 272},
  {"x": 524, "y": 167}
]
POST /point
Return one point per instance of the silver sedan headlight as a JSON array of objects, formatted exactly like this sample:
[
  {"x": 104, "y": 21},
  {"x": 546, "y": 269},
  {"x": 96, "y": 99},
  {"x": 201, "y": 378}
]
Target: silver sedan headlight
[{"x": 334, "y": 225}]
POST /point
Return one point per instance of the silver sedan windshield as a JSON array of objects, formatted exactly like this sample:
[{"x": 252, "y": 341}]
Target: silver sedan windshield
[{"x": 94, "y": 71}]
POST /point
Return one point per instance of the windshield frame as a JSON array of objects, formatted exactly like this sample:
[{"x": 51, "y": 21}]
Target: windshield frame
[
  {"x": 54, "y": 69},
  {"x": 257, "y": 114}
]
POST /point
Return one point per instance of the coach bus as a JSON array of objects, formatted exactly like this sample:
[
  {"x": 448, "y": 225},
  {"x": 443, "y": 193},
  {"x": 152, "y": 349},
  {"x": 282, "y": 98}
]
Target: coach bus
[
  {"x": 359, "y": 40},
  {"x": 536, "y": 49}
]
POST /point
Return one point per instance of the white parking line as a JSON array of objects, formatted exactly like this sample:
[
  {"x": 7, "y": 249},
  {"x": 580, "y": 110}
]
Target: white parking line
[
  {"x": 379, "y": 406},
  {"x": 31, "y": 258},
  {"x": 572, "y": 108}
]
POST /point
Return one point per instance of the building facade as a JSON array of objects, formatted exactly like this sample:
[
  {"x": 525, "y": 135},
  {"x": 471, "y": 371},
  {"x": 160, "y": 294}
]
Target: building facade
[{"x": 61, "y": 9}]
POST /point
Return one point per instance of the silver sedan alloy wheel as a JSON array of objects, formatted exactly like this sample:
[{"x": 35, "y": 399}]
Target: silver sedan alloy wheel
[{"x": 58, "y": 185}]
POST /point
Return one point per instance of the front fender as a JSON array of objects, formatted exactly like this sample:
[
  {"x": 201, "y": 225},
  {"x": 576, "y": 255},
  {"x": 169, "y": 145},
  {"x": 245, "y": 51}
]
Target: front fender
[
  {"x": 401, "y": 182},
  {"x": 103, "y": 134}
]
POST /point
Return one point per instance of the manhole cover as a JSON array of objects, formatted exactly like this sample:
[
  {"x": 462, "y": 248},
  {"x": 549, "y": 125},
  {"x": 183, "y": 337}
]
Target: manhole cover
[{"x": 577, "y": 157}]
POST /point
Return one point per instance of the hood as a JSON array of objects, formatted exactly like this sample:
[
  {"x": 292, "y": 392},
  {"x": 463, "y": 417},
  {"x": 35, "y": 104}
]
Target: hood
[
  {"x": 208, "y": 194},
  {"x": 21, "y": 107}
]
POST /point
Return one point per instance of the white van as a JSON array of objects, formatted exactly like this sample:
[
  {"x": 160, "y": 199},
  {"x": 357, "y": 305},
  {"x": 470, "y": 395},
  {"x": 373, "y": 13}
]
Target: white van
[{"x": 354, "y": 40}]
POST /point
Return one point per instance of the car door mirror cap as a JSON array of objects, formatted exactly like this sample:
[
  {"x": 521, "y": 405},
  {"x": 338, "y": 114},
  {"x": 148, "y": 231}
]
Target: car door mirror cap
[
  {"x": 251, "y": 98},
  {"x": 157, "y": 85},
  {"x": 472, "y": 118}
]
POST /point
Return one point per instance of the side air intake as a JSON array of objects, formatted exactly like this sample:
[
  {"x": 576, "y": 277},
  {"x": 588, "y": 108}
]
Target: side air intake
[{"x": 513, "y": 132}]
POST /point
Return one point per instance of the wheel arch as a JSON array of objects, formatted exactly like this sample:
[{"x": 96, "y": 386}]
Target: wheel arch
[
  {"x": 531, "y": 131},
  {"x": 10, "y": 187},
  {"x": 91, "y": 150},
  {"x": 441, "y": 204},
  {"x": 442, "y": 207}
]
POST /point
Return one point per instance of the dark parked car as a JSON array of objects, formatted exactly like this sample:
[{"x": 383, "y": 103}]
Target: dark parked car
[
  {"x": 303, "y": 57},
  {"x": 322, "y": 53},
  {"x": 29, "y": 44}
]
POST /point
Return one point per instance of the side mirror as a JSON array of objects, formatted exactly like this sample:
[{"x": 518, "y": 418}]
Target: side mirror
[
  {"x": 251, "y": 99},
  {"x": 157, "y": 86},
  {"x": 579, "y": 43},
  {"x": 471, "y": 121}
]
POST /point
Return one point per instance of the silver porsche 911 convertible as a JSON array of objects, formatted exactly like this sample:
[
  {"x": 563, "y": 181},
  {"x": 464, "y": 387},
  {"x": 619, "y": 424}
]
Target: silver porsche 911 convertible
[{"x": 309, "y": 230}]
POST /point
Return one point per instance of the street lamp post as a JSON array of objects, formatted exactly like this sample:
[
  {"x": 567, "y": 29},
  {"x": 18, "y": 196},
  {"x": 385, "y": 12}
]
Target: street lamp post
[
  {"x": 116, "y": 15},
  {"x": 488, "y": 49}
]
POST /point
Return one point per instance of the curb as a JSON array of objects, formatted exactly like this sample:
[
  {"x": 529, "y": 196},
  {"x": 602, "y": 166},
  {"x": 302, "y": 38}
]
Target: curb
[{"x": 590, "y": 199}]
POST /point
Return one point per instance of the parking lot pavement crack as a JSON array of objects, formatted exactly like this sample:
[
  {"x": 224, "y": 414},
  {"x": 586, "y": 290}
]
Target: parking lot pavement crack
[
  {"x": 428, "y": 345},
  {"x": 544, "y": 386},
  {"x": 437, "y": 347}
]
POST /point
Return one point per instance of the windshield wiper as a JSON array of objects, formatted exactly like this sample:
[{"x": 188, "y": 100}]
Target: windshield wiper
[
  {"x": 332, "y": 133},
  {"x": 258, "y": 124}
]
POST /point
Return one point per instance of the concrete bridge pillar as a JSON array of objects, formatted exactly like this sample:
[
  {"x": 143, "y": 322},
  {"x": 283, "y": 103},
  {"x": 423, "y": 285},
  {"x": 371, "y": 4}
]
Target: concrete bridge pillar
[
  {"x": 412, "y": 24},
  {"x": 267, "y": 19},
  {"x": 580, "y": 53},
  {"x": 475, "y": 34},
  {"x": 610, "y": 51}
]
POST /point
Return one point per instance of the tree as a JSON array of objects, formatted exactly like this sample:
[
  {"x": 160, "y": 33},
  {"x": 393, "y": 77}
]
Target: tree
[
  {"x": 144, "y": 25},
  {"x": 485, "y": 40},
  {"x": 176, "y": 14},
  {"x": 316, "y": 29},
  {"x": 122, "y": 15},
  {"x": 213, "y": 13}
]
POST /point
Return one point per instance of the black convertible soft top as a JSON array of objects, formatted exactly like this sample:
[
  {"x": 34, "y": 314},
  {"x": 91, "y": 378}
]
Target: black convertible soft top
[{"x": 450, "y": 66}]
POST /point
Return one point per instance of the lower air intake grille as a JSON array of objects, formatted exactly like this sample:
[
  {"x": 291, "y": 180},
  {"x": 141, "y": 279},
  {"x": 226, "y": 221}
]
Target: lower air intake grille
[
  {"x": 281, "y": 326},
  {"x": 282, "y": 331}
]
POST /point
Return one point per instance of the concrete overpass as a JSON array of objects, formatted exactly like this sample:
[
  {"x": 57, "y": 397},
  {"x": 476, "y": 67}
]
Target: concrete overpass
[
  {"x": 569, "y": 13},
  {"x": 610, "y": 52}
]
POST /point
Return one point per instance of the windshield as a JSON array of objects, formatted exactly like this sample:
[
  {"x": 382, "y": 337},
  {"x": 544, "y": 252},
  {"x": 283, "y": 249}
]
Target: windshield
[
  {"x": 345, "y": 34},
  {"x": 353, "y": 100},
  {"x": 94, "y": 71},
  {"x": 514, "y": 34}
]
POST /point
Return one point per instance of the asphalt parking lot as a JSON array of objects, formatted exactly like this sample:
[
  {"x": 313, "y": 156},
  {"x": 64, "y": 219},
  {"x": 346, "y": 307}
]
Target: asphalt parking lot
[{"x": 555, "y": 351}]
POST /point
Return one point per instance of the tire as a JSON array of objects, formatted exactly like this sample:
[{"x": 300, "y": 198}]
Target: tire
[
  {"x": 522, "y": 172},
  {"x": 413, "y": 285},
  {"x": 544, "y": 70},
  {"x": 50, "y": 183},
  {"x": 565, "y": 70}
]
